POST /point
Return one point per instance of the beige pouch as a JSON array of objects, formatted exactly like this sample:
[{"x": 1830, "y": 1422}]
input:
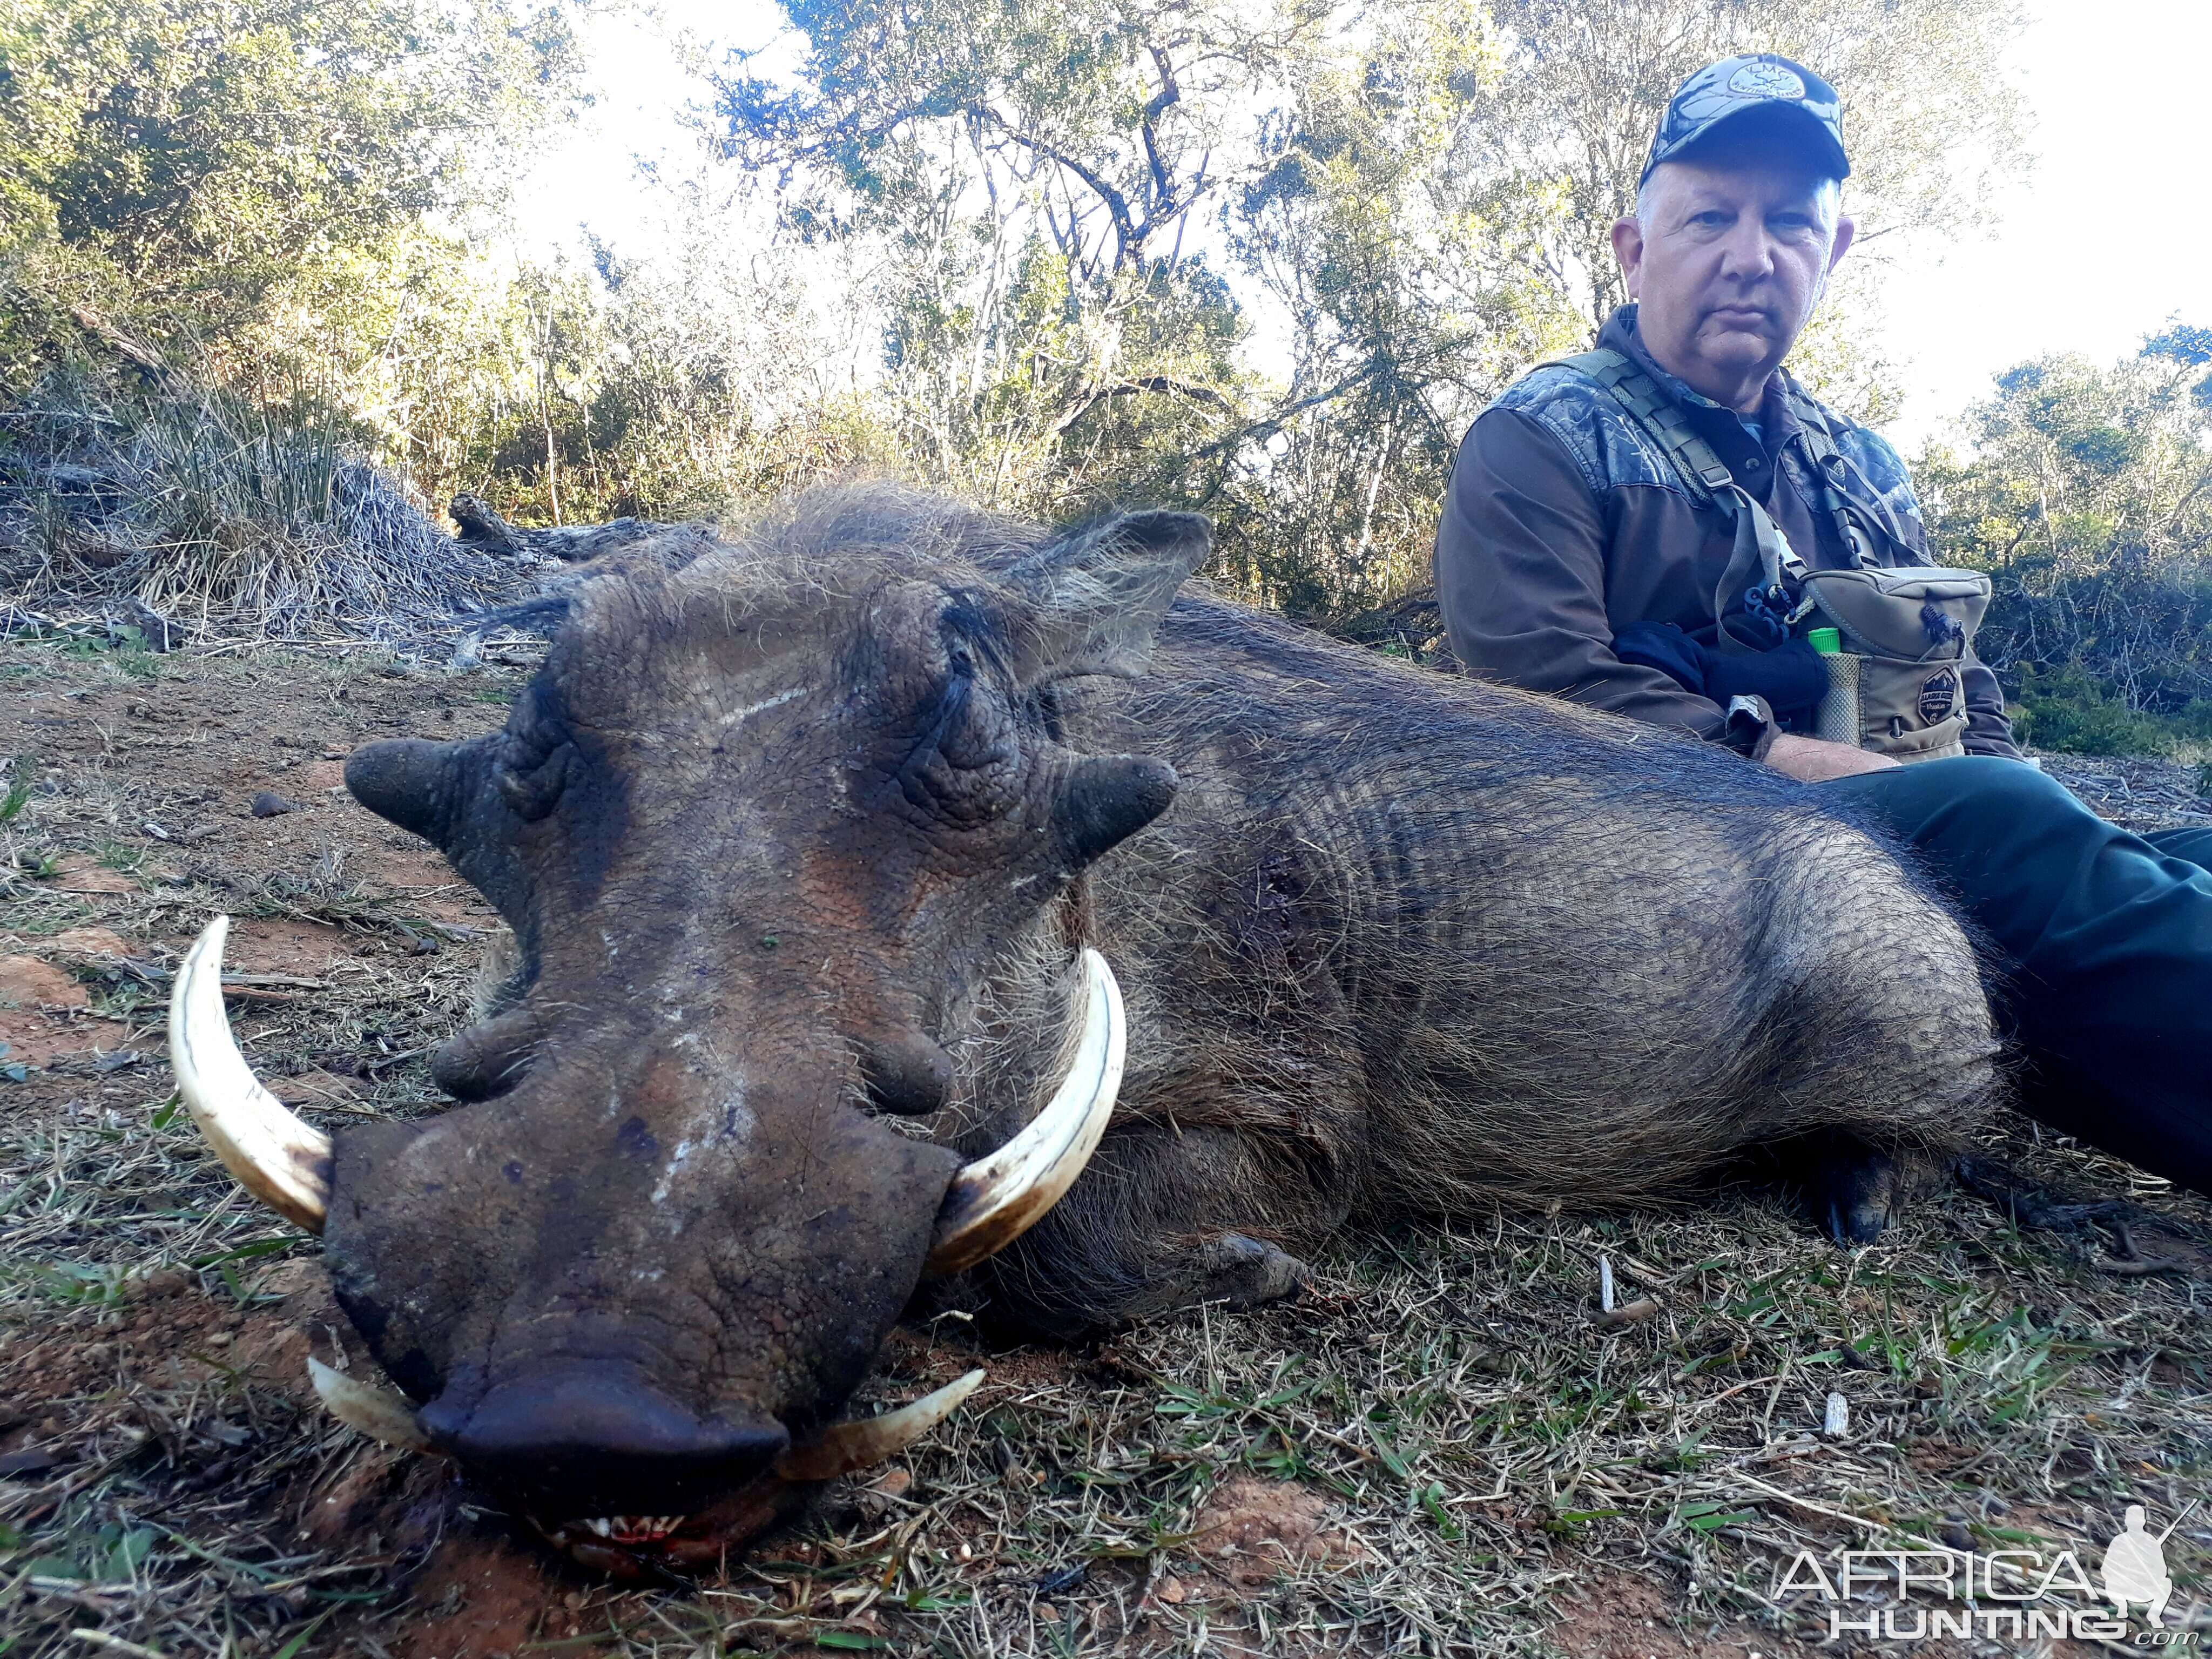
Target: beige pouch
[{"x": 1900, "y": 686}]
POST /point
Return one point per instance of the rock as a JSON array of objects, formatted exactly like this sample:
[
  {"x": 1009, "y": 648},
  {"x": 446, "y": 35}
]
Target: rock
[
  {"x": 90, "y": 944},
  {"x": 267, "y": 804},
  {"x": 28, "y": 982}
]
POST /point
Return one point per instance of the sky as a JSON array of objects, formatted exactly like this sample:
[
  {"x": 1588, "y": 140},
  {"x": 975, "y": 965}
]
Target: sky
[
  {"x": 2103, "y": 244},
  {"x": 2107, "y": 241}
]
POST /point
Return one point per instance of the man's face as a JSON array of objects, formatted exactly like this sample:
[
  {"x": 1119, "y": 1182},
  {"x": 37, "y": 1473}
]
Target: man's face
[{"x": 1727, "y": 271}]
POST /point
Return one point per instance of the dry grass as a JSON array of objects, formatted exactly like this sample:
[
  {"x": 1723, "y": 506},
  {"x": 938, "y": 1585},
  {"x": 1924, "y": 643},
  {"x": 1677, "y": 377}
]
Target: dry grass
[
  {"x": 1443, "y": 1450},
  {"x": 233, "y": 520}
]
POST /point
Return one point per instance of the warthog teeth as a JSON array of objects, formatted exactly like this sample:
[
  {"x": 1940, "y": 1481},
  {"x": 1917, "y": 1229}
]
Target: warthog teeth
[
  {"x": 633, "y": 1528},
  {"x": 382, "y": 1414},
  {"x": 274, "y": 1156},
  {"x": 996, "y": 1199},
  {"x": 845, "y": 1447}
]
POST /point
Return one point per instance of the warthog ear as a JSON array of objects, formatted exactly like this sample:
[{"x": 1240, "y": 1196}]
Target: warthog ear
[
  {"x": 1101, "y": 592},
  {"x": 406, "y": 780}
]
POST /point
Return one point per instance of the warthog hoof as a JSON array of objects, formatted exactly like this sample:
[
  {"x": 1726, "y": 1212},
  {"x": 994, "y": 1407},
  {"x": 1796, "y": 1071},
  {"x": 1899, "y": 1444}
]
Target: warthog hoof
[{"x": 1853, "y": 1190}]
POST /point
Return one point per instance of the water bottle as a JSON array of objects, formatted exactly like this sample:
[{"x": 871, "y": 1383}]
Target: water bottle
[{"x": 1836, "y": 720}]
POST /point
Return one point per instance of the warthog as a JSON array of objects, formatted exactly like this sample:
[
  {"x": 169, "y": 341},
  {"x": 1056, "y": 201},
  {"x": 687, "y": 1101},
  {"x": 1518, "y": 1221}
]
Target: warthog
[{"x": 825, "y": 850}]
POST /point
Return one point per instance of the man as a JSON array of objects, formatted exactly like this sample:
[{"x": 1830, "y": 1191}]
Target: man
[
  {"x": 1601, "y": 541},
  {"x": 2135, "y": 1571}
]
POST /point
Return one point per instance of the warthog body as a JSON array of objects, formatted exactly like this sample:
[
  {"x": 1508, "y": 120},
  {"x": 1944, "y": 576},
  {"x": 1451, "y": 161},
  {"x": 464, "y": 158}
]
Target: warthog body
[{"x": 799, "y": 837}]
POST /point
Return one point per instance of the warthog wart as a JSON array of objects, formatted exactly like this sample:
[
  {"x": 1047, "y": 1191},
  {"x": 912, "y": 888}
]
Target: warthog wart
[{"x": 825, "y": 849}]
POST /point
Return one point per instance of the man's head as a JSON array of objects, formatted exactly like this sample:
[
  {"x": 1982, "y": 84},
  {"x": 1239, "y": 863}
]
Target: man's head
[{"x": 1737, "y": 224}]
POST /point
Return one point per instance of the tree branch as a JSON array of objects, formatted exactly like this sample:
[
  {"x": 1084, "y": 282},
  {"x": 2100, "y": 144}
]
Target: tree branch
[
  {"x": 1127, "y": 238},
  {"x": 1169, "y": 94},
  {"x": 1130, "y": 388}
]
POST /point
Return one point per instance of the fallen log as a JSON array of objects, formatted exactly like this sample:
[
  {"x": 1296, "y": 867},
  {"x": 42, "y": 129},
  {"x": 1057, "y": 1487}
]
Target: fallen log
[{"x": 484, "y": 530}]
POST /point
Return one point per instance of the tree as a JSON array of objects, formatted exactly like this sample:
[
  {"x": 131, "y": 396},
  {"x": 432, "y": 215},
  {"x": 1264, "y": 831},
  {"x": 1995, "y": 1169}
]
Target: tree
[
  {"x": 167, "y": 166},
  {"x": 1928, "y": 117},
  {"x": 1036, "y": 175},
  {"x": 1087, "y": 214},
  {"x": 2087, "y": 494}
]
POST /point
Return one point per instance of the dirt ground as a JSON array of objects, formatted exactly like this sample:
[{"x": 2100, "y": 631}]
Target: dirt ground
[{"x": 1446, "y": 1448}]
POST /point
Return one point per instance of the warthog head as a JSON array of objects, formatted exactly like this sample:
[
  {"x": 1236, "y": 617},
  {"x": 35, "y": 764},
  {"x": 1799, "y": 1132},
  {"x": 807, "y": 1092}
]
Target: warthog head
[{"x": 762, "y": 825}]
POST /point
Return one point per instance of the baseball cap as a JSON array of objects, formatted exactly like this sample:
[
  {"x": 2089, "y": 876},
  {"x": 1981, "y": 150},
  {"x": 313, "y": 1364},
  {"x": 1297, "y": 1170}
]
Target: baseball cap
[{"x": 1793, "y": 97}]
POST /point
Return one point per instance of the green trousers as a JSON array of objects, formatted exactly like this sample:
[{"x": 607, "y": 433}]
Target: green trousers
[{"x": 2105, "y": 938}]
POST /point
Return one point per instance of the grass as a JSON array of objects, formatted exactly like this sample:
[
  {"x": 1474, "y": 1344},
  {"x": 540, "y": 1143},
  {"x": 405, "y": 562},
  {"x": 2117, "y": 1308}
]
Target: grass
[
  {"x": 23, "y": 778},
  {"x": 1482, "y": 1445},
  {"x": 228, "y": 516}
]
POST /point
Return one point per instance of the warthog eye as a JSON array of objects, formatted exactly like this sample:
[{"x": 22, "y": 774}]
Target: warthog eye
[
  {"x": 532, "y": 762},
  {"x": 530, "y": 782}
]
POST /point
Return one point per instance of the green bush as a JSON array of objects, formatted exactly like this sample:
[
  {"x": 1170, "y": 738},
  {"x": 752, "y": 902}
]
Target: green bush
[{"x": 2069, "y": 712}]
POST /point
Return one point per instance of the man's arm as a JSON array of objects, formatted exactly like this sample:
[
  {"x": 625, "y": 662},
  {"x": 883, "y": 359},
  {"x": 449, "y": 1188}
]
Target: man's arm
[
  {"x": 1988, "y": 729},
  {"x": 1520, "y": 568}
]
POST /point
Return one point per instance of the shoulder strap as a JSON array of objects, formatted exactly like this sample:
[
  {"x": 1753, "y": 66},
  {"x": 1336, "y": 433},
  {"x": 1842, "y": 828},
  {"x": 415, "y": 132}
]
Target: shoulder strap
[
  {"x": 1702, "y": 474},
  {"x": 1763, "y": 555},
  {"x": 1829, "y": 463}
]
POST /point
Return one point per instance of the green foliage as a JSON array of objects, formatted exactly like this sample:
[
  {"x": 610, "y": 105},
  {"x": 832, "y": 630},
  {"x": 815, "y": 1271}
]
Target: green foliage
[
  {"x": 2069, "y": 712},
  {"x": 22, "y": 782},
  {"x": 1265, "y": 260},
  {"x": 2088, "y": 497},
  {"x": 1034, "y": 178},
  {"x": 175, "y": 173}
]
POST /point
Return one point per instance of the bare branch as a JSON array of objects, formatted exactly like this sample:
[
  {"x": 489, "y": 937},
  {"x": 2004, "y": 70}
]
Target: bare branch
[{"x": 1130, "y": 388}]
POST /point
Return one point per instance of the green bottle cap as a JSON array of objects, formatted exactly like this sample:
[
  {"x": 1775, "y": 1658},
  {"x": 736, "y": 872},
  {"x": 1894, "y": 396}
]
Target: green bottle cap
[{"x": 1828, "y": 641}]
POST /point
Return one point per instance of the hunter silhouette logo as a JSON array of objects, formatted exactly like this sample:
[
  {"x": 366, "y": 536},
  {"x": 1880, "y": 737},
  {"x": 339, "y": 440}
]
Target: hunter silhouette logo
[{"x": 2135, "y": 1567}]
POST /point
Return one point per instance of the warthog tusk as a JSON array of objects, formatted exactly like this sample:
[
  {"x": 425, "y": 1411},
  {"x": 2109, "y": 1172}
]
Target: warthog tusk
[
  {"x": 996, "y": 1199},
  {"x": 380, "y": 1414},
  {"x": 845, "y": 1447},
  {"x": 278, "y": 1158}
]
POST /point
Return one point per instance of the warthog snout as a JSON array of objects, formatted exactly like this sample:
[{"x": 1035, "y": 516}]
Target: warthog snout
[{"x": 599, "y": 1439}]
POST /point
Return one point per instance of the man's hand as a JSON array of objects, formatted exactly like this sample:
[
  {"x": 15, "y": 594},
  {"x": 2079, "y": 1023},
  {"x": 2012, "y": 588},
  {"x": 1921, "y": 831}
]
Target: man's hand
[{"x": 1810, "y": 760}]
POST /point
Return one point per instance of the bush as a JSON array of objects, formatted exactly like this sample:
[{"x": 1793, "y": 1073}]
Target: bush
[
  {"x": 2088, "y": 497},
  {"x": 213, "y": 509}
]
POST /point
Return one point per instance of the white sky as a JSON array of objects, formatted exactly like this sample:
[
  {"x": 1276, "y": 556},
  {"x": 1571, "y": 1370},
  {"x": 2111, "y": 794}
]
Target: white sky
[
  {"x": 2108, "y": 241},
  {"x": 2105, "y": 243}
]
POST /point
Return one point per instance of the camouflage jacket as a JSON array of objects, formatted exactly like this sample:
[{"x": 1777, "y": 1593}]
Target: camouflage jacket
[{"x": 1565, "y": 522}]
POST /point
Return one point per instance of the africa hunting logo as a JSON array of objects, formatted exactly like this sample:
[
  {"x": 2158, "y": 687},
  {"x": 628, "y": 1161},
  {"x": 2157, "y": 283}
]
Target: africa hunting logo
[{"x": 2008, "y": 1594}]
